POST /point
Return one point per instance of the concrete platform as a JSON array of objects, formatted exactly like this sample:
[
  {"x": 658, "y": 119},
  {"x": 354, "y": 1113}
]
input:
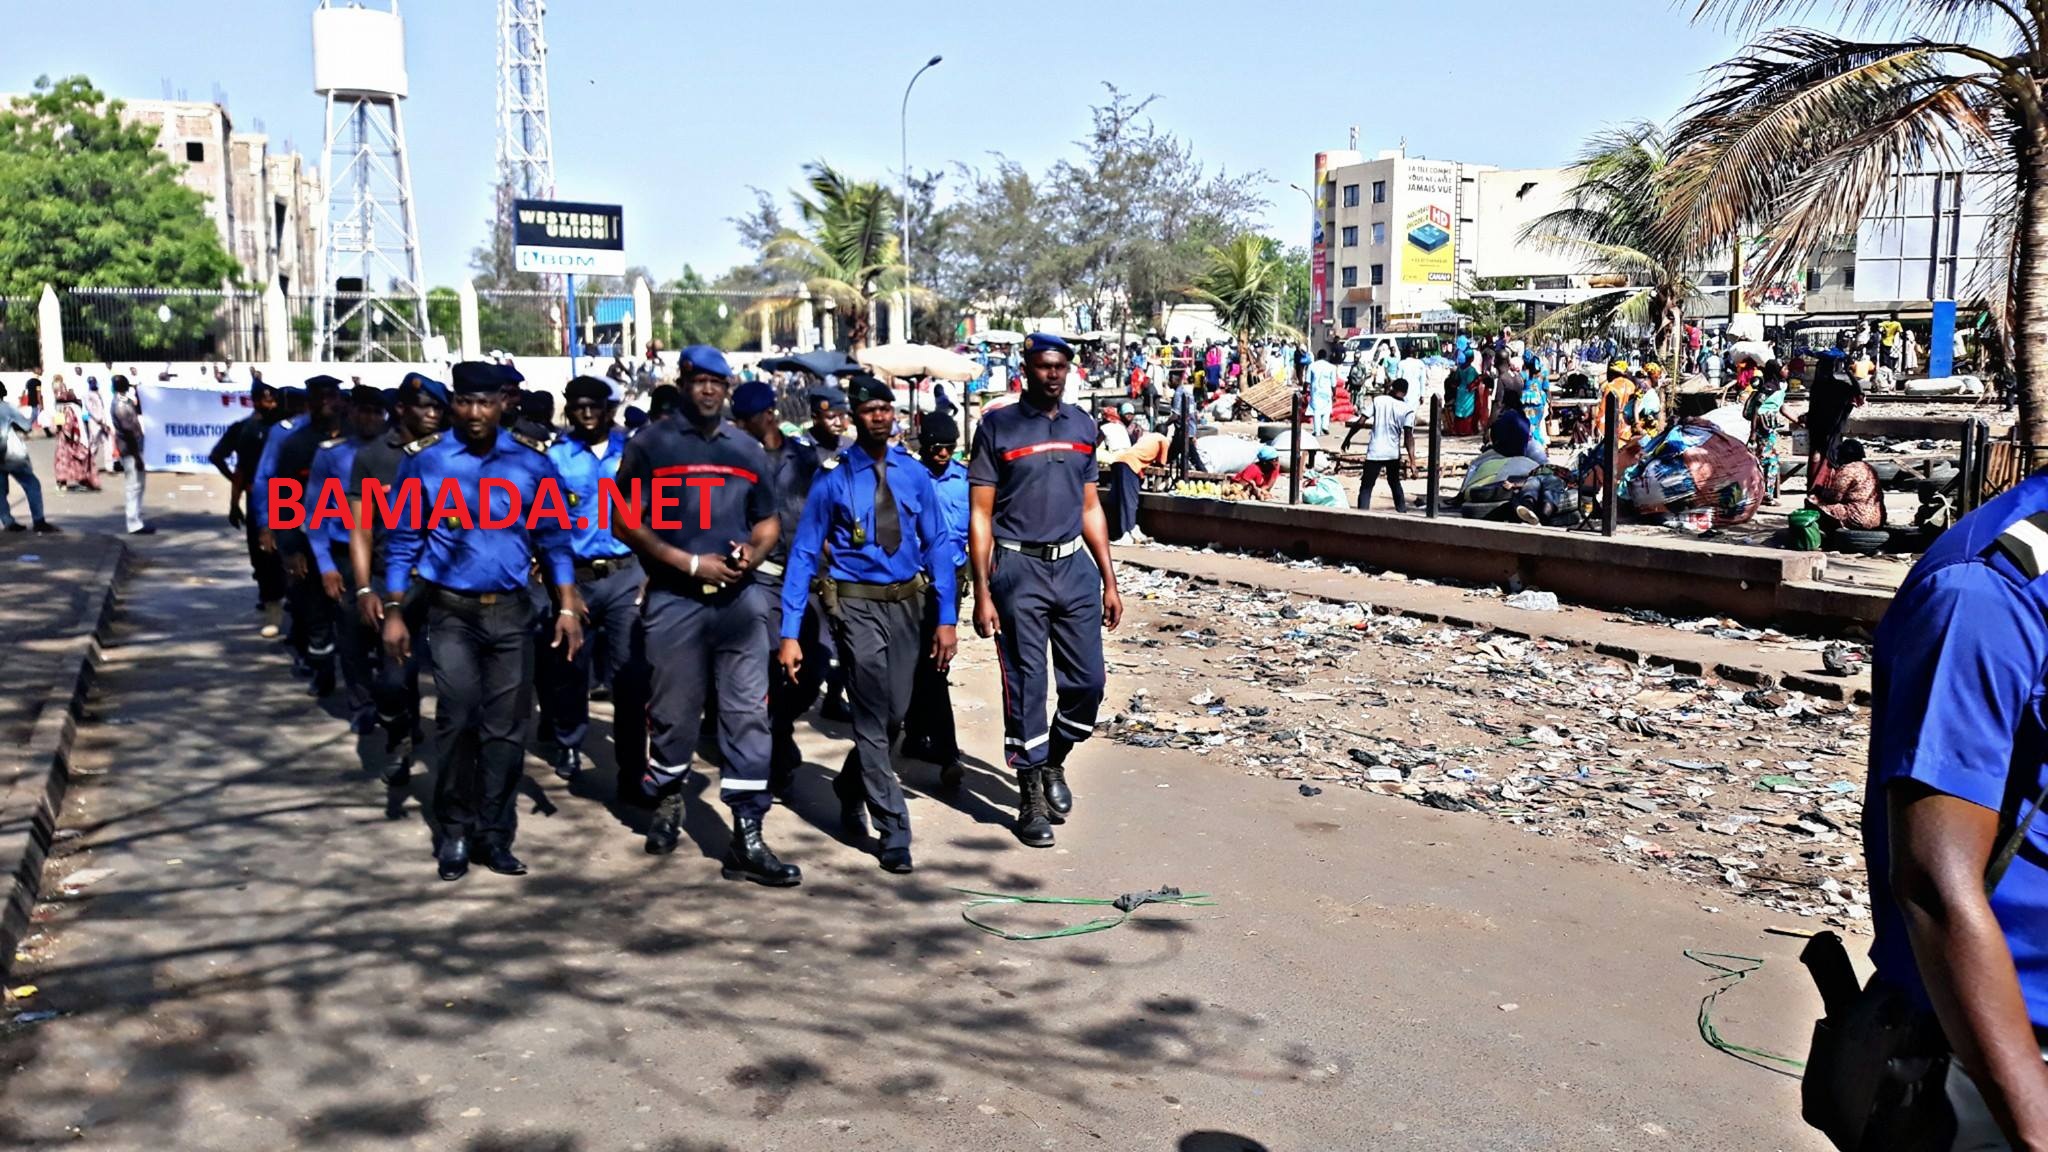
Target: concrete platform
[{"x": 1677, "y": 576}]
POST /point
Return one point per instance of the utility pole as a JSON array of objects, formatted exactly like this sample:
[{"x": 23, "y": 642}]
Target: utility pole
[{"x": 900, "y": 324}]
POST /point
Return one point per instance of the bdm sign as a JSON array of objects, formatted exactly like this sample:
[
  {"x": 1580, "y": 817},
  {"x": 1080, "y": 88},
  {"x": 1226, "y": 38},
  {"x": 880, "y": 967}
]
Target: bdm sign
[{"x": 573, "y": 239}]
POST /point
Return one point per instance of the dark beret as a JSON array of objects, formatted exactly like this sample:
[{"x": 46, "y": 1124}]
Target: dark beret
[
  {"x": 587, "y": 388},
  {"x": 830, "y": 395},
  {"x": 703, "y": 359},
  {"x": 938, "y": 428},
  {"x": 475, "y": 377},
  {"x": 752, "y": 398},
  {"x": 366, "y": 396},
  {"x": 1047, "y": 342},
  {"x": 328, "y": 383},
  {"x": 863, "y": 388}
]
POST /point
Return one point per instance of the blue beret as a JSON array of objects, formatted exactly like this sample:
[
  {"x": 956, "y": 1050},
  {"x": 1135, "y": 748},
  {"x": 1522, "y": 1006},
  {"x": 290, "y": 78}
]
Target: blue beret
[
  {"x": 703, "y": 358},
  {"x": 830, "y": 395},
  {"x": 752, "y": 398},
  {"x": 365, "y": 396},
  {"x": 636, "y": 416},
  {"x": 388, "y": 397},
  {"x": 510, "y": 376},
  {"x": 292, "y": 391},
  {"x": 1047, "y": 342},
  {"x": 476, "y": 377},
  {"x": 422, "y": 387},
  {"x": 327, "y": 382}
]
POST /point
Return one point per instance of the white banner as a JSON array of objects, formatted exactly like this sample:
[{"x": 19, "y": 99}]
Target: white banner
[{"x": 180, "y": 424}]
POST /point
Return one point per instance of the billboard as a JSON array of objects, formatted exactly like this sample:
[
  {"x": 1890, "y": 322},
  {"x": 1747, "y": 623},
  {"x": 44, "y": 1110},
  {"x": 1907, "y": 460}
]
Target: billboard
[
  {"x": 1429, "y": 224},
  {"x": 558, "y": 236},
  {"x": 1318, "y": 250},
  {"x": 1929, "y": 236}
]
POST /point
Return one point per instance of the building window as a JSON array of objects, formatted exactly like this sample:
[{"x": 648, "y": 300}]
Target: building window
[
  {"x": 1351, "y": 235},
  {"x": 1379, "y": 191},
  {"x": 1351, "y": 195},
  {"x": 1813, "y": 279},
  {"x": 1347, "y": 317},
  {"x": 1379, "y": 235},
  {"x": 195, "y": 151},
  {"x": 1351, "y": 277},
  {"x": 1379, "y": 273},
  {"x": 1849, "y": 277}
]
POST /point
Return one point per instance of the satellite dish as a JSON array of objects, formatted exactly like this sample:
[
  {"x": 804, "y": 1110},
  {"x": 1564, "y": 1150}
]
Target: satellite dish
[{"x": 163, "y": 313}]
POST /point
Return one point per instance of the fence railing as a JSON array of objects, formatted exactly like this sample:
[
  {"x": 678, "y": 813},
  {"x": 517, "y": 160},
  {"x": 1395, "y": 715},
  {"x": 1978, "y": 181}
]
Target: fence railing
[
  {"x": 117, "y": 324},
  {"x": 18, "y": 334}
]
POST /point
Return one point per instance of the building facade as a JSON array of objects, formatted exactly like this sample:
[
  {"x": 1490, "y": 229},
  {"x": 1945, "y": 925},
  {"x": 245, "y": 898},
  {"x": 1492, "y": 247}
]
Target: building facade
[{"x": 1392, "y": 242}]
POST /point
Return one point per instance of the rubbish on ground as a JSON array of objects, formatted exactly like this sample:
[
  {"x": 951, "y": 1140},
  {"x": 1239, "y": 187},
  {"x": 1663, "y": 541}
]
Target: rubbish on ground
[
  {"x": 1125, "y": 904},
  {"x": 1728, "y": 977},
  {"x": 1308, "y": 791},
  {"x": 86, "y": 878},
  {"x": 1534, "y": 600}
]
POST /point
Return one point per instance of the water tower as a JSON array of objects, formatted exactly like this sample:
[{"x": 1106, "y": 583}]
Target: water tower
[{"x": 372, "y": 296}]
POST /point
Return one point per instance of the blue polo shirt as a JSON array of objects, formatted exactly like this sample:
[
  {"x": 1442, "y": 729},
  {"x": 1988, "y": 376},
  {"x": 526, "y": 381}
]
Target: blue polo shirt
[
  {"x": 1039, "y": 463},
  {"x": 582, "y": 469},
  {"x": 843, "y": 500},
  {"x": 673, "y": 451},
  {"x": 266, "y": 467},
  {"x": 477, "y": 560},
  {"x": 1957, "y": 682},
  {"x": 333, "y": 463},
  {"x": 951, "y": 485}
]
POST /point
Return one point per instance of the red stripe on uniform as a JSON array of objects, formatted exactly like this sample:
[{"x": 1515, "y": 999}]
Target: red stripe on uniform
[
  {"x": 707, "y": 470},
  {"x": 1046, "y": 446}
]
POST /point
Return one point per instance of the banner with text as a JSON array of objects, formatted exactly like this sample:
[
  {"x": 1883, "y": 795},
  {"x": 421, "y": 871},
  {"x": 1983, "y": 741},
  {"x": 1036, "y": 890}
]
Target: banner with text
[{"x": 180, "y": 424}]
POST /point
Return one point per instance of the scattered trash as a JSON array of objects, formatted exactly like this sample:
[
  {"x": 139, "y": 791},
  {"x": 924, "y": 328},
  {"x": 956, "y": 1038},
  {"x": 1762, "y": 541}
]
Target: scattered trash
[
  {"x": 1534, "y": 600},
  {"x": 1125, "y": 904},
  {"x": 1509, "y": 1007},
  {"x": 85, "y": 878},
  {"x": 1308, "y": 791},
  {"x": 22, "y": 991}
]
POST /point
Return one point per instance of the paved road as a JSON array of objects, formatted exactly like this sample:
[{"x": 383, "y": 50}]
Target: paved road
[{"x": 272, "y": 964}]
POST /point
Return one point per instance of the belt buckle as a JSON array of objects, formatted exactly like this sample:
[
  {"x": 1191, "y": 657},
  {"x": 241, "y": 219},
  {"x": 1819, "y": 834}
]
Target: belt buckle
[{"x": 487, "y": 598}]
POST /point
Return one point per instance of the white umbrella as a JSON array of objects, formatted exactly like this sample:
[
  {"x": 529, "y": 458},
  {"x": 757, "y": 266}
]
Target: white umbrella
[
  {"x": 999, "y": 336},
  {"x": 896, "y": 360}
]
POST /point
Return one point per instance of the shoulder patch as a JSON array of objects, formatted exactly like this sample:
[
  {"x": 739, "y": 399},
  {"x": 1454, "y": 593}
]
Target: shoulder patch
[
  {"x": 2025, "y": 543},
  {"x": 531, "y": 442},
  {"x": 423, "y": 443}
]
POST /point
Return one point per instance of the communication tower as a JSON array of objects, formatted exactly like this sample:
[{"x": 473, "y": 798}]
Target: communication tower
[
  {"x": 373, "y": 302},
  {"x": 526, "y": 140}
]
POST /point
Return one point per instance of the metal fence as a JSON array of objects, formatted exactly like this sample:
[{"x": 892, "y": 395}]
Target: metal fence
[
  {"x": 19, "y": 342},
  {"x": 117, "y": 324},
  {"x": 368, "y": 326},
  {"x": 727, "y": 319},
  {"x": 523, "y": 323}
]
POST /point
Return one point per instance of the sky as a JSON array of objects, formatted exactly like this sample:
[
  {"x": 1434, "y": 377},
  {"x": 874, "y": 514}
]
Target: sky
[{"x": 675, "y": 109}]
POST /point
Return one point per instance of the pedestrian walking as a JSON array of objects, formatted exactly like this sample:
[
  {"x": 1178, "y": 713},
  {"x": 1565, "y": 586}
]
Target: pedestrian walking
[
  {"x": 355, "y": 646},
  {"x": 289, "y": 458},
  {"x": 828, "y": 438},
  {"x": 703, "y": 613},
  {"x": 235, "y": 456},
  {"x": 473, "y": 582},
  {"x": 74, "y": 443},
  {"x": 874, "y": 531},
  {"x": 1039, "y": 546},
  {"x": 930, "y": 733},
  {"x": 99, "y": 428},
  {"x": 127, "y": 421},
  {"x": 17, "y": 468},
  {"x": 1389, "y": 445}
]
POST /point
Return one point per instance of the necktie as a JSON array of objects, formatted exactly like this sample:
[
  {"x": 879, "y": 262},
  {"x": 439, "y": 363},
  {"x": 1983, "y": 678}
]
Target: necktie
[{"x": 888, "y": 526}]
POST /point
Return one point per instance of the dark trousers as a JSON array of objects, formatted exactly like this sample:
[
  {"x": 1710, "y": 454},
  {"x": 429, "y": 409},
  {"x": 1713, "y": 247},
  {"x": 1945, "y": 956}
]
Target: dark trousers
[
  {"x": 879, "y": 638},
  {"x": 267, "y": 567},
  {"x": 1124, "y": 487},
  {"x": 1041, "y": 602},
  {"x": 928, "y": 726},
  {"x": 564, "y": 681},
  {"x": 312, "y": 610},
  {"x": 483, "y": 656},
  {"x": 688, "y": 641},
  {"x": 789, "y": 699},
  {"x": 355, "y": 647},
  {"x": 1371, "y": 476}
]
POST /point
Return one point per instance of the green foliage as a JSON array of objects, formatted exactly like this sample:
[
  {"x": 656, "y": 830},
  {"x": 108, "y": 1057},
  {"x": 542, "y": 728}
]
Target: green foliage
[
  {"x": 444, "y": 312},
  {"x": 86, "y": 200},
  {"x": 845, "y": 249},
  {"x": 998, "y": 248},
  {"x": 683, "y": 316}
]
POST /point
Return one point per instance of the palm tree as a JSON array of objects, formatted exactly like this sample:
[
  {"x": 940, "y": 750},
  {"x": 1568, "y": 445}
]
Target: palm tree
[
  {"x": 846, "y": 249},
  {"x": 1796, "y": 137},
  {"x": 1613, "y": 220},
  {"x": 1244, "y": 282}
]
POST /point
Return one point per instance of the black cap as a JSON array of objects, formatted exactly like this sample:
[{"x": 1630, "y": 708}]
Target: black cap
[
  {"x": 322, "y": 383},
  {"x": 510, "y": 377},
  {"x": 938, "y": 428},
  {"x": 476, "y": 377},
  {"x": 863, "y": 388},
  {"x": 366, "y": 396},
  {"x": 587, "y": 388}
]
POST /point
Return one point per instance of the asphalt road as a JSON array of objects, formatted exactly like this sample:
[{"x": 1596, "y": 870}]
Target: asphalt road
[{"x": 269, "y": 963}]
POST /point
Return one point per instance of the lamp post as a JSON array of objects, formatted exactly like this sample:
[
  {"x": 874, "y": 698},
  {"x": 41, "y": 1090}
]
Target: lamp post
[
  {"x": 903, "y": 124},
  {"x": 1294, "y": 409}
]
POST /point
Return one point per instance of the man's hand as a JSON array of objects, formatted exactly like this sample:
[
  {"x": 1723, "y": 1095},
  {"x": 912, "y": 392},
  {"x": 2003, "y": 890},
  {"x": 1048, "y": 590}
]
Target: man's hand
[
  {"x": 235, "y": 519},
  {"x": 371, "y": 609},
  {"x": 790, "y": 656},
  {"x": 945, "y": 642},
  {"x": 295, "y": 566},
  {"x": 265, "y": 541},
  {"x": 717, "y": 570},
  {"x": 332, "y": 584},
  {"x": 397, "y": 638},
  {"x": 568, "y": 633},
  {"x": 986, "y": 622},
  {"x": 1112, "y": 608}
]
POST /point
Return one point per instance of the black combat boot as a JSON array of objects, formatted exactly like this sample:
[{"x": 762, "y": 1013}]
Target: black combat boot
[
  {"x": 748, "y": 857},
  {"x": 1059, "y": 799},
  {"x": 666, "y": 830},
  {"x": 1034, "y": 817}
]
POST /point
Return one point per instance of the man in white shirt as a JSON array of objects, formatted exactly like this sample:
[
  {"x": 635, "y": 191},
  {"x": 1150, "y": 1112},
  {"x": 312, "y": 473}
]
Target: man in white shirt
[{"x": 1392, "y": 443}]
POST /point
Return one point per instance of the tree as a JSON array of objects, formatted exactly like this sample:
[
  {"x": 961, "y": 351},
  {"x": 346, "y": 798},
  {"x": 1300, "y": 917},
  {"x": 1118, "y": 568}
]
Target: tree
[
  {"x": 1294, "y": 282},
  {"x": 1795, "y": 138},
  {"x": 846, "y": 250},
  {"x": 1614, "y": 220},
  {"x": 690, "y": 315},
  {"x": 997, "y": 254},
  {"x": 1486, "y": 316},
  {"x": 493, "y": 261},
  {"x": 1244, "y": 283}
]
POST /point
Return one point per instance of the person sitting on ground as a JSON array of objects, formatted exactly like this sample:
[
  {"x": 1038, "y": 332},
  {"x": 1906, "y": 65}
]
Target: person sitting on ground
[
  {"x": 1496, "y": 476},
  {"x": 1847, "y": 495},
  {"x": 1260, "y": 474}
]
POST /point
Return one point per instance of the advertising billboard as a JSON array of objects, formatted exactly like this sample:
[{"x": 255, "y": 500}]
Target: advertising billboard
[
  {"x": 1318, "y": 252},
  {"x": 573, "y": 239},
  {"x": 1429, "y": 224}
]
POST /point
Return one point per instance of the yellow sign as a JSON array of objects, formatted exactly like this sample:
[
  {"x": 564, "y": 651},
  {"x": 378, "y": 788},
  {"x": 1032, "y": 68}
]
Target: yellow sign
[{"x": 1429, "y": 249}]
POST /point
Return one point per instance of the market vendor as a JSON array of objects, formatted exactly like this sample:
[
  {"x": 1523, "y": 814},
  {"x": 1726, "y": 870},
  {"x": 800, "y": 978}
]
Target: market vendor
[
  {"x": 1127, "y": 479},
  {"x": 1260, "y": 474},
  {"x": 1847, "y": 495}
]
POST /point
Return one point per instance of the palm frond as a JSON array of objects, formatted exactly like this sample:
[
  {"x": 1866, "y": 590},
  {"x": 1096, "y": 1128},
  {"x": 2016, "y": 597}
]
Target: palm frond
[
  {"x": 1949, "y": 19},
  {"x": 1594, "y": 313}
]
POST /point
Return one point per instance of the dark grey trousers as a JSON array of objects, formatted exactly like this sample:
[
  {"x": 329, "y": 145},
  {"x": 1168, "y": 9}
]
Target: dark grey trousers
[{"x": 878, "y": 650}]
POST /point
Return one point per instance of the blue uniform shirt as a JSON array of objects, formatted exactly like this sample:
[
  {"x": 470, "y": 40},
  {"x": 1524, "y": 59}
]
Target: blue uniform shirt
[
  {"x": 1957, "y": 682},
  {"x": 266, "y": 467},
  {"x": 477, "y": 560},
  {"x": 795, "y": 465},
  {"x": 951, "y": 485},
  {"x": 842, "y": 500},
  {"x": 1039, "y": 464},
  {"x": 333, "y": 463},
  {"x": 671, "y": 451},
  {"x": 581, "y": 470}
]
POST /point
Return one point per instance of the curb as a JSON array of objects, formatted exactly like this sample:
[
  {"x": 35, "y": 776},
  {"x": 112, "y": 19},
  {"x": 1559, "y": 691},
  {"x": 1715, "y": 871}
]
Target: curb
[
  {"x": 43, "y": 771},
  {"x": 1835, "y": 691}
]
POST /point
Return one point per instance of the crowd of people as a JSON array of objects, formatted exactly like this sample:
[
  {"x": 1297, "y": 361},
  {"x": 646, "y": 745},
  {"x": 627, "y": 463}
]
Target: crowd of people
[{"x": 826, "y": 562}]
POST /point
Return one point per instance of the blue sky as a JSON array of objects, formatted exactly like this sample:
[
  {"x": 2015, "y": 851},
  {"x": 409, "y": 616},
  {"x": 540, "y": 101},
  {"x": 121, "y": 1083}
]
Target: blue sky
[{"x": 674, "y": 109}]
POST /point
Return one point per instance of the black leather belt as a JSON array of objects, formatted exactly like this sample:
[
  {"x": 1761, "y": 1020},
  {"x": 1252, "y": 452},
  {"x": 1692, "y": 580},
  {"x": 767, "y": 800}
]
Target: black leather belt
[{"x": 599, "y": 567}]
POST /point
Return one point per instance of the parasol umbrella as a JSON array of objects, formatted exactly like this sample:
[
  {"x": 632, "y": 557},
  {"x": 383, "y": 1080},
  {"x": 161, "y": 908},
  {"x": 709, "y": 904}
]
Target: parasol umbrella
[
  {"x": 999, "y": 336},
  {"x": 899, "y": 360},
  {"x": 822, "y": 363}
]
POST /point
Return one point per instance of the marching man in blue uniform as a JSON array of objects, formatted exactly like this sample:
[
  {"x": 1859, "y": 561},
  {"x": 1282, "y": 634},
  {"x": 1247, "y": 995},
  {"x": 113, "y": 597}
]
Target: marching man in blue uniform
[
  {"x": 888, "y": 541},
  {"x": 332, "y": 465},
  {"x": 1039, "y": 546},
  {"x": 707, "y": 518},
  {"x": 474, "y": 582},
  {"x": 607, "y": 573},
  {"x": 930, "y": 734}
]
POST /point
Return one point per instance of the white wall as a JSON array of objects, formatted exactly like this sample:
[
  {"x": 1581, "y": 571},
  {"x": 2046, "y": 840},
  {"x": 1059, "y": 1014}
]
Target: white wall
[{"x": 1509, "y": 200}]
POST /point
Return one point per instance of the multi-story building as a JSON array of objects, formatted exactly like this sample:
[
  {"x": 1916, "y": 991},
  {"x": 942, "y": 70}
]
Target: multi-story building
[{"x": 1392, "y": 241}]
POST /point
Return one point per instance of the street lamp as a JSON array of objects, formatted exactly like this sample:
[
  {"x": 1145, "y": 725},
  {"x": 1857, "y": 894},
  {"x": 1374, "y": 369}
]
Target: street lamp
[{"x": 903, "y": 124}]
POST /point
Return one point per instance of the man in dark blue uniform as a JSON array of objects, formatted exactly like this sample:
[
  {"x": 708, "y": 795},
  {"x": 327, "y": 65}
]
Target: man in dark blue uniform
[
  {"x": 827, "y": 438},
  {"x": 312, "y": 629},
  {"x": 874, "y": 528},
  {"x": 291, "y": 412},
  {"x": 931, "y": 735},
  {"x": 1039, "y": 546},
  {"x": 793, "y": 460},
  {"x": 707, "y": 517},
  {"x": 607, "y": 573},
  {"x": 420, "y": 410},
  {"x": 473, "y": 580},
  {"x": 332, "y": 466},
  {"x": 1958, "y": 763},
  {"x": 235, "y": 455}
]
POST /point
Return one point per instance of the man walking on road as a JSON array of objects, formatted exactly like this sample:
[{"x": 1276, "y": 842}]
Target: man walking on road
[
  {"x": 1039, "y": 545},
  {"x": 355, "y": 647},
  {"x": 932, "y": 736},
  {"x": 235, "y": 456},
  {"x": 127, "y": 418},
  {"x": 15, "y": 465}
]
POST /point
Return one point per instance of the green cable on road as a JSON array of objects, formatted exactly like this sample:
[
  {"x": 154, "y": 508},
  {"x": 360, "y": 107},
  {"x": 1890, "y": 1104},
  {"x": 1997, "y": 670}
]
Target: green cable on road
[
  {"x": 1125, "y": 904},
  {"x": 1729, "y": 977}
]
